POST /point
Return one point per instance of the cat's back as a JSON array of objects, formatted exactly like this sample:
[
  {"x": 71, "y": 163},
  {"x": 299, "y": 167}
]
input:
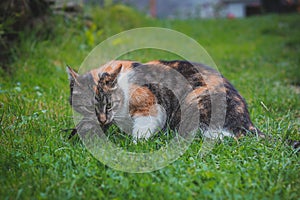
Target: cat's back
[{"x": 198, "y": 75}]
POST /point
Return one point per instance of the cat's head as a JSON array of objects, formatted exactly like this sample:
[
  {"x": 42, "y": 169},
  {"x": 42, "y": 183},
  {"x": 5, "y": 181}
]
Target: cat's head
[
  {"x": 96, "y": 93},
  {"x": 107, "y": 96}
]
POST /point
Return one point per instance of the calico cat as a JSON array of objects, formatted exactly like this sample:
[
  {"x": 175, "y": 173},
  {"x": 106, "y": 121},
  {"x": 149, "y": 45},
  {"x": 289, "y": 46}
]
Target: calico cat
[{"x": 146, "y": 98}]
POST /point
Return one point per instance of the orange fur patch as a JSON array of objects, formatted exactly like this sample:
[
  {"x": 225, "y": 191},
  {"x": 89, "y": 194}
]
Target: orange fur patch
[
  {"x": 154, "y": 62},
  {"x": 142, "y": 102}
]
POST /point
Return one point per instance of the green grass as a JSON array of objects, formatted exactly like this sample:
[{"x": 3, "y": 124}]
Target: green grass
[{"x": 259, "y": 55}]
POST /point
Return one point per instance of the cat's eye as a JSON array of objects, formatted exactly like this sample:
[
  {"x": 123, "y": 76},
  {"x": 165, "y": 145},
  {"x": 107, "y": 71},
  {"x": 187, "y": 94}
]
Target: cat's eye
[{"x": 108, "y": 106}]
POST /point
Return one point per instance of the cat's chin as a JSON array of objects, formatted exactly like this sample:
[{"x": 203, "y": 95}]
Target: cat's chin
[{"x": 105, "y": 127}]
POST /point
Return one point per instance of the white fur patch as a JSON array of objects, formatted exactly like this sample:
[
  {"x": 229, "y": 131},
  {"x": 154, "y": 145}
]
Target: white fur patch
[
  {"x": 121, "y": 115},
  {"x": 145, "y": 126},
  {"x": 123, "y": 83}
]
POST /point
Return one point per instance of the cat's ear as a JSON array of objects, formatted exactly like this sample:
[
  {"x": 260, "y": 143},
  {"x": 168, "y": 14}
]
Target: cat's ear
[
  {"x": 109, "y": 78},
  {"x": 116, "y": 72},
  {"x": 72, "y": 74}
]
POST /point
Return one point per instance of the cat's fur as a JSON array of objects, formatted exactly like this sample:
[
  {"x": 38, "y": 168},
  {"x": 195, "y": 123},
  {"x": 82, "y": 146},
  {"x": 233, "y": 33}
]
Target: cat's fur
[{"x": 121, "y": 92}]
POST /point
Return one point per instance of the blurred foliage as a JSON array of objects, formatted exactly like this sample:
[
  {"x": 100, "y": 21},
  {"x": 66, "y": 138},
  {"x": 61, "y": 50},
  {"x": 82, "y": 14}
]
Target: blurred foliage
[
  {"x": 113, "y": 19},
  {"x": 17, "y": 16},
  {"x": 29, "y": 21}
]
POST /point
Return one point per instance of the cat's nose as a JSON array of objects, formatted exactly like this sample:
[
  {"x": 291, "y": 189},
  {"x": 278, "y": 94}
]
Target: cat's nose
[{"x": 102, "y": 118}]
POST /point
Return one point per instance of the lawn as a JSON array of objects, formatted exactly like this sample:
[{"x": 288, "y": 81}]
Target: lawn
[{"x": 259, "y": 55}]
